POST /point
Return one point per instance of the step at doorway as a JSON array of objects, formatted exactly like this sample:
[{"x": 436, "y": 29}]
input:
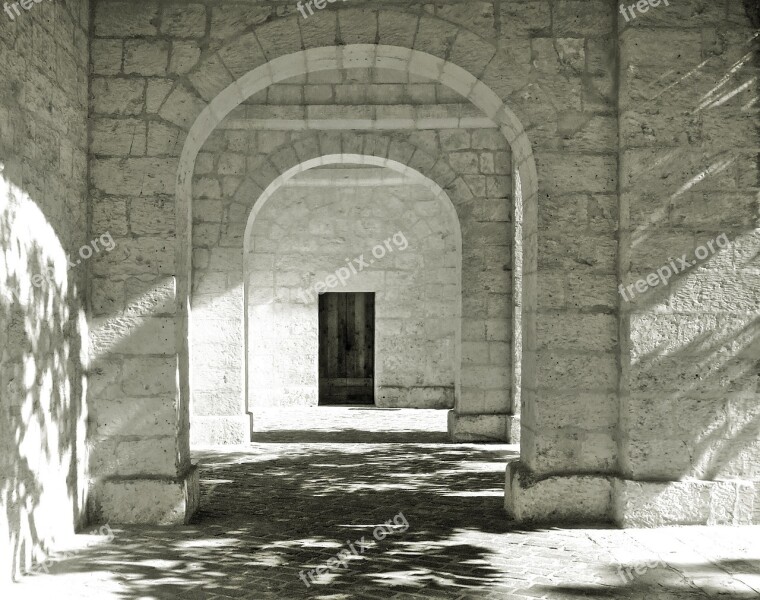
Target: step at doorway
[{"x": 347, "y": 348}]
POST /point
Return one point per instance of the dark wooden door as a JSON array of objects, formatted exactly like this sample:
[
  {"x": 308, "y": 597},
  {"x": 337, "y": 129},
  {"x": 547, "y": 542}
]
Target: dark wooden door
[{"x": 347, "y": 348}]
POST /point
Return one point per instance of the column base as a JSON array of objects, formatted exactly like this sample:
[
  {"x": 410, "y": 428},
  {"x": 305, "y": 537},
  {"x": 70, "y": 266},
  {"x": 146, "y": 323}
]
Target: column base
[
  {"x": 154, "y": 501},
  {"x": 579, "y": 498},
  {"x": 556, "y": 499},
  {"x": 694, "y": 502},
  {"x": 503, "y": 429},
  {"x": 220, "y": 431}
]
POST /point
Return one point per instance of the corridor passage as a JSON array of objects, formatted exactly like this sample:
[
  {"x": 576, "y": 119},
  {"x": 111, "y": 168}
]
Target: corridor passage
[{"x": 315, "y": 480}]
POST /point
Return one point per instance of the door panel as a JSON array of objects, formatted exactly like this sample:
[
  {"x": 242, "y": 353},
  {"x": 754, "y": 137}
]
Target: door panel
[{"x": 346, "y": 348}]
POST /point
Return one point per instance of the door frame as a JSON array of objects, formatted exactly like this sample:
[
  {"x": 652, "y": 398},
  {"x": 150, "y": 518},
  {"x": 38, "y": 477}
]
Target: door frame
[{"x": 321, "y": 344}]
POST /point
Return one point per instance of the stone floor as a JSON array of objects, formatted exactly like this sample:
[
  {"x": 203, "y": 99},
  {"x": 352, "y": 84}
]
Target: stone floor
[{"x": 315, "y": 480}]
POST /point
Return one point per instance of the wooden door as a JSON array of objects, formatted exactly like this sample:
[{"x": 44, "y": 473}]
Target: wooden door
[{"x": 347, "y": 348}]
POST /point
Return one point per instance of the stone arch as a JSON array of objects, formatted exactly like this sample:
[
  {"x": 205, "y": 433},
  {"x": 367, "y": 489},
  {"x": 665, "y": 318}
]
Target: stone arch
[
  {"x": 268, "y": 175},
  {"x": 256, "y": 45},
  {"x": 374, "y": 145},
  {"x": 277, "y": 67},
  {"x": 449, "y": 215}
]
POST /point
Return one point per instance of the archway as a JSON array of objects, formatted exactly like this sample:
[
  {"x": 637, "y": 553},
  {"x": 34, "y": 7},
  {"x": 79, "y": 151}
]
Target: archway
[
  {"x": 387, "y": 57},
  {"x": 281, "y": 304}
]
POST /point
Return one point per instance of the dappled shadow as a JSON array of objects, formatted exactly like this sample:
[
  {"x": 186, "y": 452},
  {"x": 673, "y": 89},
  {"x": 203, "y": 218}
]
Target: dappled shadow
[
  {"x": 719, "y": 578},
  {"x": 42, "y": 413},
  {"x": 271, "y": 512}
]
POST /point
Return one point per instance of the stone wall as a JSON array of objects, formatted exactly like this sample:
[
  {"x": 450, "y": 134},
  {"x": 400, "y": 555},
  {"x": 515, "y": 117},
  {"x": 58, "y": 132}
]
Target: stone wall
[
  {"x": 623, "y": 134},
  {"x": 43, "y": 221},
  {"x": 304, "y": 235},
  {"x": 242, "y": 157},
  {"x": 689, "y": 190}
]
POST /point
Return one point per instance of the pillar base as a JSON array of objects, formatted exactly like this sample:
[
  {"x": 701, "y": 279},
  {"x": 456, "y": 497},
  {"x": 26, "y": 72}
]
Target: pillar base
[
  {"x": 605, "y": 498},
  {"x": 503, "y": 429},
  {"x": 154, "y": 501},
  {"x": 694, "y": 502},
  {"x": 220, "y": 431},
  {"x": 556, "y": 499}
]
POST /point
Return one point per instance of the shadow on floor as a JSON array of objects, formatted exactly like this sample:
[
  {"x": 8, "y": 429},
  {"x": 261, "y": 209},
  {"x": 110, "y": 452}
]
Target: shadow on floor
[{"x": 272, "y": 511}]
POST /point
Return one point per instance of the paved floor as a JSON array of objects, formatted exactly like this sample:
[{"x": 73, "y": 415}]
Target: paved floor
[{"x": 316, "y": 480}]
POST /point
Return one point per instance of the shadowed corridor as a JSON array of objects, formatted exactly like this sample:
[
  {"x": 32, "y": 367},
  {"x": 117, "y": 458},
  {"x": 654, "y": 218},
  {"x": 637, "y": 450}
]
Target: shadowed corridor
[{"x": 293, "y": 498}]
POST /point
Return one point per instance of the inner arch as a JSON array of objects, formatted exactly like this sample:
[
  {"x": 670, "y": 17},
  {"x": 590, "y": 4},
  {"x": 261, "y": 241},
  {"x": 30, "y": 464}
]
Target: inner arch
[{"x": 283, "y": 301}]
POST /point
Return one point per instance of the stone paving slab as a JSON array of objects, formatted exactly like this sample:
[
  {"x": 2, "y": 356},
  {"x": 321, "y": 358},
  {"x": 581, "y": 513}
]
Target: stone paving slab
[{"x": 273, "y": 509}]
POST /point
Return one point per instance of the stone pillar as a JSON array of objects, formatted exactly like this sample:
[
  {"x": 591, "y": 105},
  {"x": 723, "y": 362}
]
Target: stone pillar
[
  {"x": 689, "y": 419},
  {"x": 484, "y": 407},
  {"x": 217, "y": 353},
  {"x": 140, "y": 467},
  {"x": 569, "y": 373}
]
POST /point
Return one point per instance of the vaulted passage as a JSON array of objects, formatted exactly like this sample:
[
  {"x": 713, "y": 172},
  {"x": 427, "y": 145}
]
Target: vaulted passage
[
  {"x": 407, "y": 513},
  {"x": 286, "y": 270}
]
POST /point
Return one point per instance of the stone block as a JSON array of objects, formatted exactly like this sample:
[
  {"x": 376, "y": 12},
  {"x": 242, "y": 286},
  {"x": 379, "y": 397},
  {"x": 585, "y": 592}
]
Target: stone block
[
  {"x": 132, "y": 335},
  {"x": 184, "y": 20},
  {"x": 109, "y": 214},
  {"x": 146, "y": 57},
  {"x": 556, "y": 499},
  {"x": 165, "y": 139},
  {"x": 125, "y": 19},
  {"x": 107, "y": 56},
  {"x": 118, "y": 137},
  {"x": 134, "y": 176},
  {"x": 149, "y": 376},
  {"x": 129, "y": 416},
  {"x": 220, "y": 430},
  {"x": 465, "y": 428},
  {"x": 158, "y": 501},
  {"x": 118, "y": 96},
  {"x": 663, "y": 503},
  {"x": 129, "y": 457}
]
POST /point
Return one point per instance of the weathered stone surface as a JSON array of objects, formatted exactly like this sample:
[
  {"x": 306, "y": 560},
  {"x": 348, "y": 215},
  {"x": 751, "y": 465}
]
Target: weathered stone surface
[
  {"x": 114, "y": 19},
  {"x": 118, "y": 137},
  {"x": 571, "y": 498},
  {"x": 463, "y": 428},
  {"x": 44, "y": 471},
  {"x": 638, "y": 161},
  {"x": 655, "y": 504},
  {"x": 118, "y": 96},
  {"x": 146, "y": 57},
  {"x": 184, "y": 20},
  {"x": 155, "y": 501}
]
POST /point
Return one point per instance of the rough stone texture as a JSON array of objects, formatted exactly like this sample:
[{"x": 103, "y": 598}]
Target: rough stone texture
[
  {"x": 237, "y": 163},
  {"x": 644, "y": 141},
  {"x": 157, "y": 501},
  {"x": 457, "y": 545},
  {"x": 43, "y": 151},
  {"x": 649, "y": 504},
  {"x": 481, "y": 428},
  {"x": 688, "y": 406},
  {"x": 565, "y": 499},
  {"x": 414, "y": 277}
]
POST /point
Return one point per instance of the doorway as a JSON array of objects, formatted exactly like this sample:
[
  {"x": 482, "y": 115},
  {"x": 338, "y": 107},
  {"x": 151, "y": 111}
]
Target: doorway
[{"x": 347, "y": 348}]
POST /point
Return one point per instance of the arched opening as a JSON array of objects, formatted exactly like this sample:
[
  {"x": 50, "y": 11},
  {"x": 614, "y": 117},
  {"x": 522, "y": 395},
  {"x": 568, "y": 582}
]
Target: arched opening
[
  {"x": 483, "y": 415},
  {"x": 381, "y": 229}
]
